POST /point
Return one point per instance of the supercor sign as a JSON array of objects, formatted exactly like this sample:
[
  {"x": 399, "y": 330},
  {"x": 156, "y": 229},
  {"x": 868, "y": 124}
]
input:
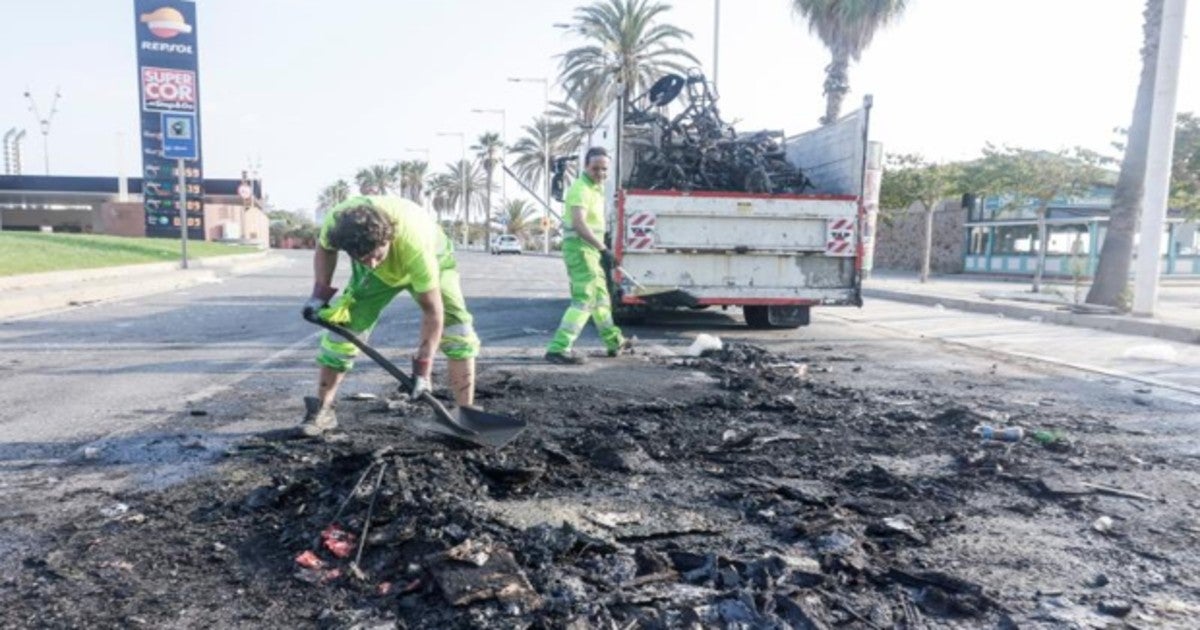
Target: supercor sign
[{"x": 168, "y": 90}]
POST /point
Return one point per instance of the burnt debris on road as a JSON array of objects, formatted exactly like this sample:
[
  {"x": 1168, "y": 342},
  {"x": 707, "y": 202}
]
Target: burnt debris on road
[{"x": 768, "y": 498}]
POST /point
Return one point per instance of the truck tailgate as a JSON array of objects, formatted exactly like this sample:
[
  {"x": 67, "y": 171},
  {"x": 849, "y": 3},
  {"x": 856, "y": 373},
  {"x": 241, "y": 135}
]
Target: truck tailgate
[{"x": 737, "y": 248}]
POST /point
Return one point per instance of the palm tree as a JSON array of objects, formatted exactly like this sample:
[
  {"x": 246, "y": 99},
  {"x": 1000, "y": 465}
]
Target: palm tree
[
  {"x": 625, "y": 43},
  {"x": 378, "y": 179},
  {"x": 440, "y": 186},
  {"x": 1116, "y": 254},
  {"x": 471, "y": 174},
  {"x": 846, "y": 27},
  {"x": 332, "y": 195},
  {"x": 490, "y": 151},
  {"x": 530, "y": 150},
  {"x": 518, "y": 217},
  {"x": 579, "y": 112},
  {"x": 412, "y": 179}
]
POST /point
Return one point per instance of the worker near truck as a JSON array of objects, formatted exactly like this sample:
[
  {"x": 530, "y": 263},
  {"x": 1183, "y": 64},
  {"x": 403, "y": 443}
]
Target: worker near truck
[
  {"x": 586, "y": 258},
  {"x": 394, "y": 246}
]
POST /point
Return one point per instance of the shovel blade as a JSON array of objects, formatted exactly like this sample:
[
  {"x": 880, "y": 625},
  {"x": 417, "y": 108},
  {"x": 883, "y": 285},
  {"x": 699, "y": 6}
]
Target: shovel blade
[{"x": 487, "y": 429}]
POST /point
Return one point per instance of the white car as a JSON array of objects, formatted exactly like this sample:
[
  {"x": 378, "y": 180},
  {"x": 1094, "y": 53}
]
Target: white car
[{"x": 506, "y": 244}]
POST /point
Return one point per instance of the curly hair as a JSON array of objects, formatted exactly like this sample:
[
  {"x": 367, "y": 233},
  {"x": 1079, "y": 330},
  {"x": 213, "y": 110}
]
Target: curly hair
[{"x": 360, "y": 230}]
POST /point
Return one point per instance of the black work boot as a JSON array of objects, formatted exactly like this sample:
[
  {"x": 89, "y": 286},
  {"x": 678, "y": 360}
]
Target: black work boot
[
  {"x": 317, "y": 419},
  {"x": 626, "y": 347},
  {"x": 565, "y": 358}
]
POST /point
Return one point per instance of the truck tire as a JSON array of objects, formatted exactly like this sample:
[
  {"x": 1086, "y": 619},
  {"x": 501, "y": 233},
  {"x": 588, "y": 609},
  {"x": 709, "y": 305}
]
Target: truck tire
[
  {"x": 626, "y": 316},
  {"x": 761, "y": 317},
  {"x": 756, "y": 316}
]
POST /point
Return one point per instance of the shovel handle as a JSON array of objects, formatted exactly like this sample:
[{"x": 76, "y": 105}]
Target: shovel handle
[{"x": 443, "y": 414}]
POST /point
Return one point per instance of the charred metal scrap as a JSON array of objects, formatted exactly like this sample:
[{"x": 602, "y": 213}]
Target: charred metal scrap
[{"x": 696, "y": 150}]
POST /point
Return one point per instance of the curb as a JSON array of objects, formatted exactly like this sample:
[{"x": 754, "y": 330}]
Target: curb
[
  {"x": 114, "y": 283},
  {"x": 1107, "y": 323}
]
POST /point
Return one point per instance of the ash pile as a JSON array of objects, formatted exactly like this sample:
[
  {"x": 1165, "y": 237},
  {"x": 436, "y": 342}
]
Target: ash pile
[
  {"x": 696, "y": 150},
  {"x": 640, "y": 513}
]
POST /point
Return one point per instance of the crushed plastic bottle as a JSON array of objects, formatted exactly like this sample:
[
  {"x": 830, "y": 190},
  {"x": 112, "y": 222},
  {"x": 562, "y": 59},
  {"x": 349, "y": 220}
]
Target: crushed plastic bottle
[
  {"x": 1004, "y": 434},
  {"x": 1047, "y": 438}
]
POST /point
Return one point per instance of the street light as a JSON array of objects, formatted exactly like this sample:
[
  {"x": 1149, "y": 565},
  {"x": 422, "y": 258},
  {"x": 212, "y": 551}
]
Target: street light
[
  {"x": 546, "y": 151},
  {"x": 462, "y": 170},
  {"x": 44, "y": 122},
  {"x": 419, "y": 150}
]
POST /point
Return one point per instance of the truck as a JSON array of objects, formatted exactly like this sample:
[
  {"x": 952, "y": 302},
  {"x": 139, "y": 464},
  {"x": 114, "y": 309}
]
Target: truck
[{"x": 773, "y": 254}]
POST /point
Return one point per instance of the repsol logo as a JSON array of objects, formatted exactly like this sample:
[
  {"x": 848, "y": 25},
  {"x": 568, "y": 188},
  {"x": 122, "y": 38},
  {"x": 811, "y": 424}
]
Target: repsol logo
[{"x": 179, "y": 49}]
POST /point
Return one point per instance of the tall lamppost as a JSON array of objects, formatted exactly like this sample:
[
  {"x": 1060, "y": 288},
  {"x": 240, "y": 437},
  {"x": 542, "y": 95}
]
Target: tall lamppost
[
  {"x": 462, "y": 170},
  {"x": 423, "y": 150},
  {"x": 44, "y": 122},
  {"x": 546, "y": 151}
]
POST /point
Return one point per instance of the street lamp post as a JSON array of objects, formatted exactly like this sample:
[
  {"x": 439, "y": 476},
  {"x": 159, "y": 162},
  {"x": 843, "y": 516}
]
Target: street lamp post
[
  {"x": 462, "y": 170},
  {"x": 546, "y": 153},
  {"x": 44, "y": 122},
  {"x": 423, "y": 150},
  {"x": 1158, "y": 163}
]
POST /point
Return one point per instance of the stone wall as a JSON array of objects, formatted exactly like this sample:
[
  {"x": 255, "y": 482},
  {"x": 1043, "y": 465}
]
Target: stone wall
[{"x": 900, "y": 235}]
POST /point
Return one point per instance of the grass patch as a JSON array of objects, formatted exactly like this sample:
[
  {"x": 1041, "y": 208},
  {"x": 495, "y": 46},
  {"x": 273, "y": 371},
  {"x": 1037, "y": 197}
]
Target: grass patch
[{"x": 35, "y": 252}]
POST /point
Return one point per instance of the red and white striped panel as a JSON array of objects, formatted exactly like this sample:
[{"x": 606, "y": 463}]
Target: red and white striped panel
[
  {"x": 639, "y": 243},
  {"x": 839, "y": 239},
  {"x": 639, "y": 231}
]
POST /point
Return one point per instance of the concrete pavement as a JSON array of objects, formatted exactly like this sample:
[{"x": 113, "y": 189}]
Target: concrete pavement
[{"x": 1177, "y": 317}]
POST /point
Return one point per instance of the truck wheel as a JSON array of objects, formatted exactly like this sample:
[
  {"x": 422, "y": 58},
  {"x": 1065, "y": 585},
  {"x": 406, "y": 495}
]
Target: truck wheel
[
  {"x": 626, "y": 316},
  {"x": 763, "y": 317},
  {"x": 756, "y": 316}
]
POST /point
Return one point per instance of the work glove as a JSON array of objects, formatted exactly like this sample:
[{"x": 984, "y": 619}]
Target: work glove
[
  {"x": 311, "y": 306},
  {"x": 318, "y": 300},
  {"x": 422, "y": 370},
  {"x": 607, "y": 259}
]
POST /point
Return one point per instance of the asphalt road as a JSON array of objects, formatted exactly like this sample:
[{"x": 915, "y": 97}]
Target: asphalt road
[{"x": 234, "y": 357}]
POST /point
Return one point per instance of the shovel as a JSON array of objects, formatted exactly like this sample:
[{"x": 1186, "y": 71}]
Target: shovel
[{"x": 467, "y": 424}]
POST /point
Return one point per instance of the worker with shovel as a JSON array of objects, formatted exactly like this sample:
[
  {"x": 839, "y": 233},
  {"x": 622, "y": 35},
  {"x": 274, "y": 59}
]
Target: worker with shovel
[
  {"x": 584, "y": 251},
  {"x": 394, "y": 246}
]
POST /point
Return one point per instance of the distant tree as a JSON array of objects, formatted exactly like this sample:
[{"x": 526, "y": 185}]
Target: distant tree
[
  {"x": 1109, "y": 288},
  {"x": 378, "y": 179},
  {"x": 580, "y": 112},
  {"x": 440, "y": 188},
  {"x": 626, "y": 41},
  {"x": 286, "y": 225},
  {"x": 1185, "y": 166},
  {"x": 518, "y": 216},
  {"x": 530, "y": 149},
  {"x": 332, "y": 195},
  {"x": 412, "y": 179},
  {"x": 909, "y": 179},
  {"x": 490, "y": 151},
  {"x": 846, "y": 27},
  {"x": 1031, "y": 178},
  {"x": 471, "y": 174}
]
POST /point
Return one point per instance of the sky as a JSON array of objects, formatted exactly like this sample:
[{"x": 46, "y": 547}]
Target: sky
[{"x": 308, "y": 91}]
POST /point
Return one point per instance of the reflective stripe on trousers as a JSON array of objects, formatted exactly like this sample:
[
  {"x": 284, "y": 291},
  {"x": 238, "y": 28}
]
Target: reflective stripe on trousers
[{"x": 589, "y": 299}]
